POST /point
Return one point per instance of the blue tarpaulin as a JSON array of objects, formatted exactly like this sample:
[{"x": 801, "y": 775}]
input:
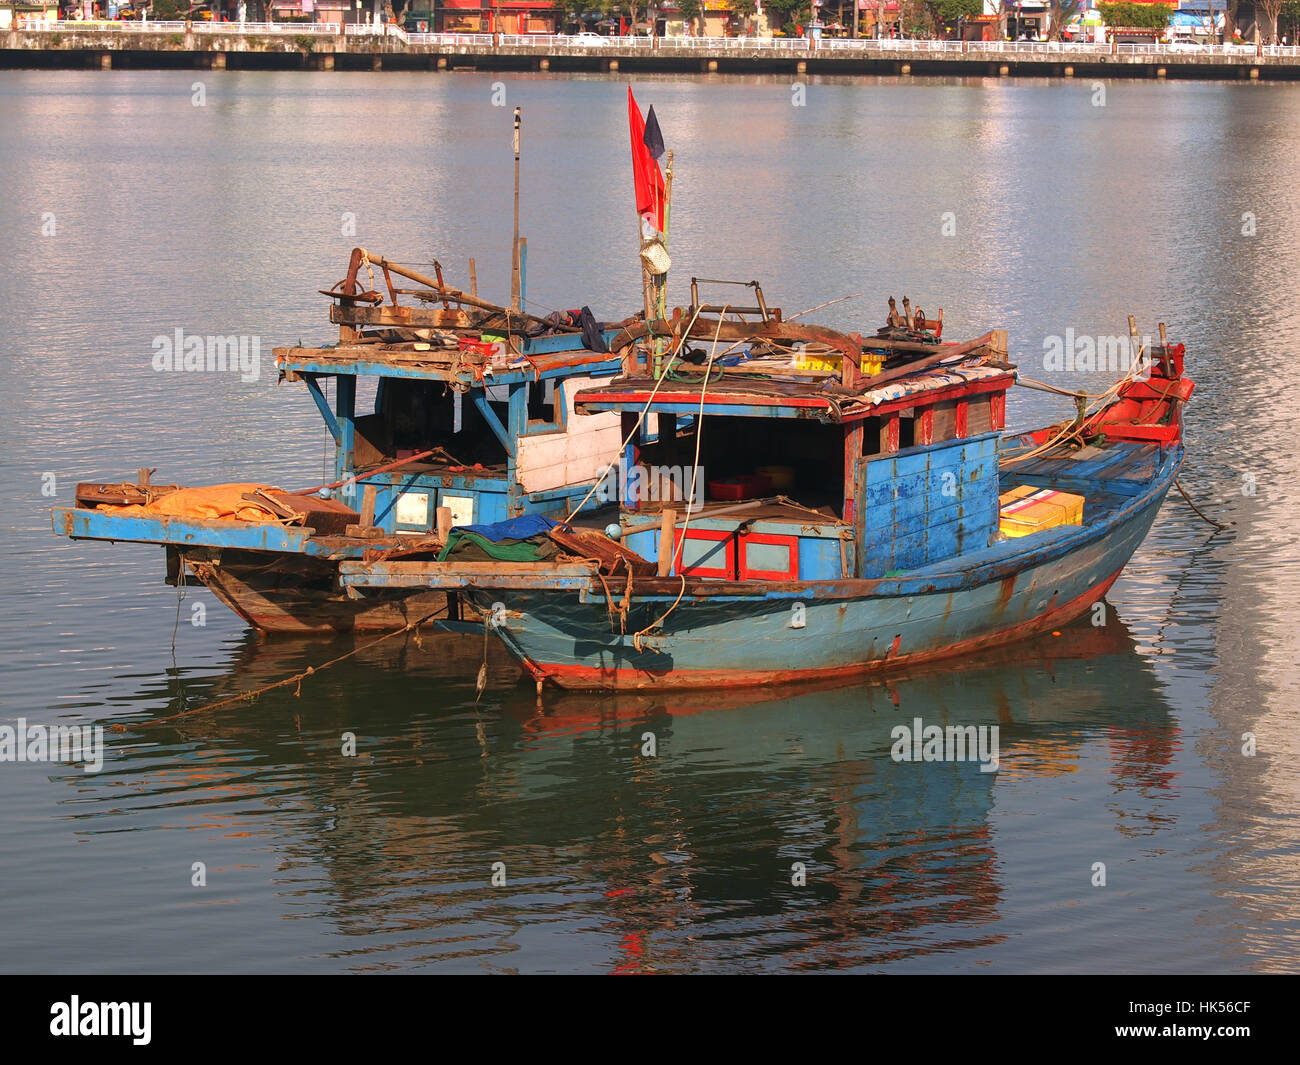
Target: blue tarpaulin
[
  {"x": 511, "y": 528},
  {"x": 515, "y": 540}
]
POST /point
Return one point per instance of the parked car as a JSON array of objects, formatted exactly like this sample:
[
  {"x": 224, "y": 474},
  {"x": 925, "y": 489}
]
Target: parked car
[{"x": 588, "y": 39}]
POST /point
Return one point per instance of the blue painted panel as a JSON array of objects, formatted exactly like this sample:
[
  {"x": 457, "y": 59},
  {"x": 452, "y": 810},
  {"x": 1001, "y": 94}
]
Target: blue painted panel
[
  {"x": 345, "y": 398},
  {"x": 926, "y": 503},
  {"x": 104, "y": 525},
  {"x": 645, "y": 544},
  {"x": 819, "y": 558}
]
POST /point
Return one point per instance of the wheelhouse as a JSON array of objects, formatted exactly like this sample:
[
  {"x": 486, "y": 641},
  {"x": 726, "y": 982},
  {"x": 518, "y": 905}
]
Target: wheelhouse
[{"x": 860, "y": 481}]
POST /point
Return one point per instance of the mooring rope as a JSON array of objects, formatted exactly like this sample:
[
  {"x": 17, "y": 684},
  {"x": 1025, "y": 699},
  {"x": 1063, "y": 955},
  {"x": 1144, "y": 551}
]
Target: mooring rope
[
  {"x": 1205, "y": 517},
  {"x": 299, "y": 677}
]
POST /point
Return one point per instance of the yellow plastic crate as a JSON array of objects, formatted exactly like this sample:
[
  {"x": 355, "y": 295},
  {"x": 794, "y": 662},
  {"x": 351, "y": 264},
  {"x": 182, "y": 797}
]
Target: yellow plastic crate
[
  {"x": 870, "y": 365},
  {"x": 1027, "y": 509}
]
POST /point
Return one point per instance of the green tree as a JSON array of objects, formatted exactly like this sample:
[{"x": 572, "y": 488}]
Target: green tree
[
  {"x": 1289, "y": 19},
  {"x": 952, "y": 10},
  {"x": 1135, "y": 16},
  {"x": 789, "y": 12},
  {"x": 742, "y": 13},
  {"x": 570, "y": 12},
  {"x": 690, "y": 10}
]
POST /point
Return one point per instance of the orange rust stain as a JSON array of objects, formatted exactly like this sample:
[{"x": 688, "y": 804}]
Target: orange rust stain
[{"x": 1004, "y": 593}]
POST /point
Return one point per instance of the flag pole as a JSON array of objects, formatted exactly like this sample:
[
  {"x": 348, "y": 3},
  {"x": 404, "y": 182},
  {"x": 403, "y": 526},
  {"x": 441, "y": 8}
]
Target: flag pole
[
  {"x": 514, "y": 248},
  {"x": 668, "y": 207}
]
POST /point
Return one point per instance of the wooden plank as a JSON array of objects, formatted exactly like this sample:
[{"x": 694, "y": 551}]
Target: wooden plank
[{"x": 667, "y": 530}]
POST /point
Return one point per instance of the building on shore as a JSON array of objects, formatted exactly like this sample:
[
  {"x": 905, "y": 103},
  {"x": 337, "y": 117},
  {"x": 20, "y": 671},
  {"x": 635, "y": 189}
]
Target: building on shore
[{"x": 489, "y": 16}]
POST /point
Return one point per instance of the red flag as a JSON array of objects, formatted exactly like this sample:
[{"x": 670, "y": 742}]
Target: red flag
[{"x": 645, "y": 171}]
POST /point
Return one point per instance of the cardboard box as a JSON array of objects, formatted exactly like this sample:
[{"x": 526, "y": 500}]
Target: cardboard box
[{"x": 1027, "y": 509}]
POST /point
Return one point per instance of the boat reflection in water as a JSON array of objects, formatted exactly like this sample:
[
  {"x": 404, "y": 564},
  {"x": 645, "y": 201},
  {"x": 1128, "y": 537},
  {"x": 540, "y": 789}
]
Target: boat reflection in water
[{"x": 617, "y": 858}]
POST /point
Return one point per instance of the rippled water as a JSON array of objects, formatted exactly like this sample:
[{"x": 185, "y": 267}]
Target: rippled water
[{"x": 1120, "y": 744}]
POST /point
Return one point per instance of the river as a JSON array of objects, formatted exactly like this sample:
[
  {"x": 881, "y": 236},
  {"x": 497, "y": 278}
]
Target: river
[{"x": 771, "y": 831}]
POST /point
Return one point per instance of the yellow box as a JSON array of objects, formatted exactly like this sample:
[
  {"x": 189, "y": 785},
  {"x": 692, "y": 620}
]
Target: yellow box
[
  {"x": 1027, "y": 509},
  {"x": 871, "y": 363}
]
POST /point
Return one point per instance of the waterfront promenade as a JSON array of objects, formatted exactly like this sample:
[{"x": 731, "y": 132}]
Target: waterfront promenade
[{"x": 309, "y": 46}]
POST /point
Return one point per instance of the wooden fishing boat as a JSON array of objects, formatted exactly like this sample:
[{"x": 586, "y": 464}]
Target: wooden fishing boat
[
  {"x": 892, "y": 548},
  {"x": 470, "y": 423}
]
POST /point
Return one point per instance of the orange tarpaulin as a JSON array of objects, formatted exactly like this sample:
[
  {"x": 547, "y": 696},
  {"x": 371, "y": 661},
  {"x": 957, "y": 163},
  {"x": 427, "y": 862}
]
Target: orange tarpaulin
[{"x": 222, "y": 502}]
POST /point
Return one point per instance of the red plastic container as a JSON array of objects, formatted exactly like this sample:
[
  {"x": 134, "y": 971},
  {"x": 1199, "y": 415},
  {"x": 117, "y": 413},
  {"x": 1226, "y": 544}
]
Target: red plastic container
[
  {"x": 486, "y": 348},
  {"x": 747, "y": 486}
]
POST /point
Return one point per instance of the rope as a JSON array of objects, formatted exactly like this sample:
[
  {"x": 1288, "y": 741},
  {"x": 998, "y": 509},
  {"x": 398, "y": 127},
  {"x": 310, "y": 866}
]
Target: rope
[
  {"x": 180, "y": 598},
  {"x": 1202, "y": 514},
  {"x": 640, "y": 418},
  {"x": 695, "y": 473},
  {"x": 299, "y": 677},
  {"x": 1043, "y": 386},
  {"x": 1075, "y": 429},
  {"x": 828, "y": 303}
]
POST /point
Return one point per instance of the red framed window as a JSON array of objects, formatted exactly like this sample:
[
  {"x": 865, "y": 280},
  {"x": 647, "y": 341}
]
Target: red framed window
[
  {"x": 769, "y": 558},
  {"x": 706, "y": 553}
]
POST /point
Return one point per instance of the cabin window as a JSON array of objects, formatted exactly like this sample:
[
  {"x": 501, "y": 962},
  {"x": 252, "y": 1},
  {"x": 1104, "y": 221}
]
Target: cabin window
[
  {"x": 800, "y": 458},
  {"x": 541, "y": 405},
  {"x": 873, "y": 443},
  {"x": 906, "y": 429},
  {"x": 414, "y": 416}
]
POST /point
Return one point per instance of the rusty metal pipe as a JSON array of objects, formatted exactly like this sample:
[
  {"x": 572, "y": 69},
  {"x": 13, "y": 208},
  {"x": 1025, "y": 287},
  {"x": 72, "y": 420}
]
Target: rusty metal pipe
[{"x": 368, "y": 473}]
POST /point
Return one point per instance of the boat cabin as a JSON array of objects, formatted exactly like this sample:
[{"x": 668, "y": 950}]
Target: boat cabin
[
  {"x": 485, "y": 443},
  {"x": 454, "y": 404},
  {"x": 803, "y": 478}
]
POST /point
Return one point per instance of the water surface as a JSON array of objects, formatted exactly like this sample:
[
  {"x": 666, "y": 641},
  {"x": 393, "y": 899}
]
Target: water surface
[{"x": 1121, "y": 744}]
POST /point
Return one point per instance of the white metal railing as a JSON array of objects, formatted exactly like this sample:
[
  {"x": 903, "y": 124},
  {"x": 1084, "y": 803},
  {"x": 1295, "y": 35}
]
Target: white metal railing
[
  {"x": 320, "y": 29},
  {"x": 374, "y": 29},
  {"x": 79, "y": 26},
  {"x": 545, "y": 41},
  {"x": 736, "y": 44},
  {"x": 449, "y": 38},
  {"x": 1155, "y": 48},
  {"x": 532, "y": 40}
]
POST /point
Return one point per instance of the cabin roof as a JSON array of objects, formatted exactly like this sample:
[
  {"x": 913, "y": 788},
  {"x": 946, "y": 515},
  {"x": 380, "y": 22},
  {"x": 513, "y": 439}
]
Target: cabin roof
[
  {"x": 542, "y": 358},
  {"x": 761, "y": 398}
]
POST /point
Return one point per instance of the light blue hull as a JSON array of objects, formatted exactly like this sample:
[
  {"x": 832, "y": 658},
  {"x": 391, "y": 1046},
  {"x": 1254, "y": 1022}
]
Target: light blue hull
[{"x": 792, "y": 631}]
